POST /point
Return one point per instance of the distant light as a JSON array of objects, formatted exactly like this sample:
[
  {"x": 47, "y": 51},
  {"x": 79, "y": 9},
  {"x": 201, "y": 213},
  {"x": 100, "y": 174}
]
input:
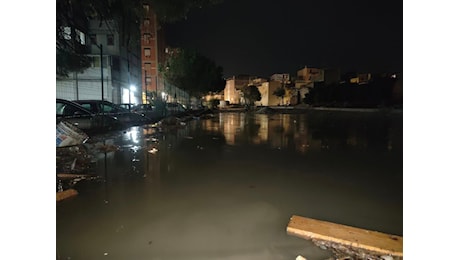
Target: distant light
[
  {"x": 132, "y": 88},
  {"x": 393, "y": 76}
]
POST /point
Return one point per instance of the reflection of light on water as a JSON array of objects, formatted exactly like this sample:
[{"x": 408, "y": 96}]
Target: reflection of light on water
[
  {"x": 135, "y": 148},
  {"x": 152, "y": 139},
  {"x": 153, "y": 150},
  {"x": 134, "y": 134}
]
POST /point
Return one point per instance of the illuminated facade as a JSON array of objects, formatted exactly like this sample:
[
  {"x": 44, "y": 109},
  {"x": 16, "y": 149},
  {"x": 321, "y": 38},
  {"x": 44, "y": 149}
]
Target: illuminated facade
[
  {"x": 232, "y": 90},
  {"x": 120, "y": 75}
]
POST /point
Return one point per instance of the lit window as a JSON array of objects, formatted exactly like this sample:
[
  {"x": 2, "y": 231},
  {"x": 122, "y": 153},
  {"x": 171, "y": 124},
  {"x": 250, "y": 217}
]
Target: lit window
[
  {"x": 147, "y": 52},
  {"x": 146, "y": 22},
  {"x": 148, "y": 80},
  {"x": 110, "y": 40},
  {"x": 66, "y": 32},
  {"x": 148, "y": 66},
  {"x": 80, "y": 37}
]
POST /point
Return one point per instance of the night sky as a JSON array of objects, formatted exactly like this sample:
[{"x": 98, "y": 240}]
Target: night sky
[{"x": 261, "y": 38}]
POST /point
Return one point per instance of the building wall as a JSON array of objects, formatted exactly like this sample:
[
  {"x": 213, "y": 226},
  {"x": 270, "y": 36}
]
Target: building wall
[
  {"x": 306, "y": 77},
  {"x": 86, "y": 85},
  {"x": 232, "y": 92},
  {"x": 149, "y": 51},
  {"x": 121, "y": 67},
  {"x": 266, "y": 90},
  {"x": 284, "y": 77}
]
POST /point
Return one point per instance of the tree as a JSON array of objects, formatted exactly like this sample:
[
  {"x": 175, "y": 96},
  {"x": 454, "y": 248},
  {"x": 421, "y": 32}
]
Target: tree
[
  {"x": 280, "y": 92},
  {"x": 193, "y": 72},
  {"x": 251, "y": 94}
]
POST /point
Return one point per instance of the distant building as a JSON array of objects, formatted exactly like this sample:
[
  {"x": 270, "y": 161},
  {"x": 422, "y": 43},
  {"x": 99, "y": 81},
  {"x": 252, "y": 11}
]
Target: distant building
[
  {"x": 306, "y": 77},
  {"x": 266, "y": 90},
  {"x": 361, "y": 78},
  {"x": 233, "y": 87},
  {"x": 284, "y": 77}
]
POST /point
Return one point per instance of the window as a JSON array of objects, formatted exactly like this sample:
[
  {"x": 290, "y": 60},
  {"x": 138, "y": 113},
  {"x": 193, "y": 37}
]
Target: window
[
  {"x": 146, "y": 22},
  {"x": 80, "y": 37},
  {"x": 147, "y": 52},
  {"x": 148, "y": 66},
  {"x": 67, "y": 32},
  {"x": 109, "y": 109},
  {"x": 110, "y": 40},
  {"x": 147, "y": 37},
  {"x": 148, "y": 80}
]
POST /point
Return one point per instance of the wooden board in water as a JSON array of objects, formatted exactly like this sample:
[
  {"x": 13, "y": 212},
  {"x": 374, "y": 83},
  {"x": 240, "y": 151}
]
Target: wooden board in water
[{"x": 379, "y": 243}]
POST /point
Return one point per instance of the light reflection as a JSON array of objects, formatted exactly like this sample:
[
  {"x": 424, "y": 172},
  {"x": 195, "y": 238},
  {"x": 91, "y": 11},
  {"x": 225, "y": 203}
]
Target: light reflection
[{"x": 303, "y": 133}]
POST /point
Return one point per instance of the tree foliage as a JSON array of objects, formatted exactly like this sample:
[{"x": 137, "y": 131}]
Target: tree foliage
[
  {"x": 280, "y": 92},
  {"x": 376, "y": 93},
  {"x": 193, "y": 72},
  {"x": 251, "y": 94}
]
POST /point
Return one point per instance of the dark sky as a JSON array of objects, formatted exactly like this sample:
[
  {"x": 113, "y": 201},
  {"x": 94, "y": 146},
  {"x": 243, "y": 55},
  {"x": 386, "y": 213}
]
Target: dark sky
[{"x": 261, "y": 38}]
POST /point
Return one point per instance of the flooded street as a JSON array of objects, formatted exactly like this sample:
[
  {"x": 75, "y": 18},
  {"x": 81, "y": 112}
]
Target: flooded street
[{"x": 225, "y": 187}]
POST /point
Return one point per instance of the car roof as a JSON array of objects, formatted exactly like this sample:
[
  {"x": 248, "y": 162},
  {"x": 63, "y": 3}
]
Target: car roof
[
  {"x": 73, "y": 104},
  {"x": 91, "y": 100}
]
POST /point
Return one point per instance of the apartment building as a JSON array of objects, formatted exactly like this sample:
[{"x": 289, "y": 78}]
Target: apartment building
[
  {"x": 114, "y": 74},
  {"x": 150, "y": 53}
]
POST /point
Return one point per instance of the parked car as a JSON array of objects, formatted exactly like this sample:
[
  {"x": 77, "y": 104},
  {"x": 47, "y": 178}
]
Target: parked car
[
  {"x": 127, "y": 106},
  {"x": 82, "y": 118},
  {"x": 147, "y": 110},
  {"x": 175, "y": 109},
  {"x": 126, "y": 117}
]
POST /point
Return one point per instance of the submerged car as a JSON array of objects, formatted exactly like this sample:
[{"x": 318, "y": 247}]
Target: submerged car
[
  {"x": 147, "y": 110},
  {"x": 82, "y": 118},
  {"x": 103, "y": 107},
  {"x": 175, "y": 109}
]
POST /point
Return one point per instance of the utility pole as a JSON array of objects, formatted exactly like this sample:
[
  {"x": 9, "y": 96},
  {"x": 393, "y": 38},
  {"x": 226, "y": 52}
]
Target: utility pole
[{"x": 102, "y": 73}]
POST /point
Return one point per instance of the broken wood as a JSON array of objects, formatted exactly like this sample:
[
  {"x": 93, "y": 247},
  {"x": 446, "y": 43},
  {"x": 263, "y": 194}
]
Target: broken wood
[
  {"x": 62, "y": 195},
  {"x": 361, "y": 240}
]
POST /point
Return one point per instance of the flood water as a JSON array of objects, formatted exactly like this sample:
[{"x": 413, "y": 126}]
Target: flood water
[{"x": 226, "y": 187}]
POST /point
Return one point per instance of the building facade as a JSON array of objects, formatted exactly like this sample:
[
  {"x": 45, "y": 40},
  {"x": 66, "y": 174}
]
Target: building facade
[
  {"x": 233, "y": 87},
  {"x": 114, "y": 74},
  {"x": 306, "y": 77}
]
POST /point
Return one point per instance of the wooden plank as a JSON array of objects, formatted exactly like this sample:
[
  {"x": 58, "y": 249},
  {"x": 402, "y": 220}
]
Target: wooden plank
[
  {"x": 62, "y": 195},
  {"x": 372, "y": 241}
]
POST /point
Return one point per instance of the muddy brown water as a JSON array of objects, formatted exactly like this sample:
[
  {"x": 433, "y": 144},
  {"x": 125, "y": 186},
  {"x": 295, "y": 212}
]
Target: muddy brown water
[{"x": 225, "y": 187}]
